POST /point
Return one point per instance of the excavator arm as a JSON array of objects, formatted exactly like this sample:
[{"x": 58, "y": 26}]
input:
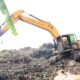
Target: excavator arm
[{"x": 18, "y": 15}]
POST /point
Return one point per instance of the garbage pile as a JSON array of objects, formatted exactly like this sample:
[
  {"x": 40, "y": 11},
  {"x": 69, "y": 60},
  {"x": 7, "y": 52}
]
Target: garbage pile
[{"x": 36, "y": 64}]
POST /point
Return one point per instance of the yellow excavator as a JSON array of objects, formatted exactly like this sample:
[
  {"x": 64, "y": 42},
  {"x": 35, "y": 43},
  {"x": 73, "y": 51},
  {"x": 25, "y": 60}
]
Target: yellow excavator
[{"x": 64, "y": 44}]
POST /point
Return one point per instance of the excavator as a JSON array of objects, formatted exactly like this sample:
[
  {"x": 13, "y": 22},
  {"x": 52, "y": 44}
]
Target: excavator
[{"x": 64, "y": 44}]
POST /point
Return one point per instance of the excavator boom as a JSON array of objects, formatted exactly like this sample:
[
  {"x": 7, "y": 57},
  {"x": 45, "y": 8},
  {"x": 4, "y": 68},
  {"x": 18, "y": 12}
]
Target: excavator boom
[{"x": 18, "y": 15}]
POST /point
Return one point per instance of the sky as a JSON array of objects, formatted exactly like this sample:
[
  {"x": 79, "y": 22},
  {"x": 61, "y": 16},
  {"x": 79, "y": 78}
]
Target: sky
[{"x": 63, "y": 14}]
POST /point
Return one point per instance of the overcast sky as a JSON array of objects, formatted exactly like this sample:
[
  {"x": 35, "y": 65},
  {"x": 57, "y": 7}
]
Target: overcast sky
[{"x": 63, "y": 14}]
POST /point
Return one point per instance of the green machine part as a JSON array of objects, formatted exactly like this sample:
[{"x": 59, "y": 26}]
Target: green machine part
[
  {"x": 72, "y": 39},
  {"x": 8, "y": 20}
]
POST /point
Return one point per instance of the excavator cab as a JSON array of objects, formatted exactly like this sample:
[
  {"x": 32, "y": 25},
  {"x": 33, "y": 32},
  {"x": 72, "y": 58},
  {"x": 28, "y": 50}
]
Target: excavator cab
[
  {"x": 67, "y": 43},
  {"x": 67, "y": 47}
]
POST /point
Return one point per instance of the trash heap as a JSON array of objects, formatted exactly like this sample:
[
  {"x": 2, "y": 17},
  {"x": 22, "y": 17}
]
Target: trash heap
[{"x": 37, "y": 64}]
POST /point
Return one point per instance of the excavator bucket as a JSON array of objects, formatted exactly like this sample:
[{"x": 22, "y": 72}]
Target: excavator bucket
[{"x": 5, "y": 12}]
